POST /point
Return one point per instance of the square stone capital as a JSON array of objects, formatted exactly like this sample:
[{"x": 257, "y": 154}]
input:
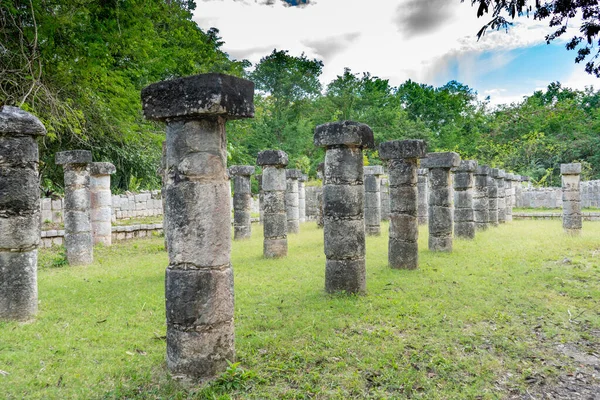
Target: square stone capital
[
  {"x": 199, "y": 96},
  {"x": 373, "y": 170},
  {"x": 570, "y": 169},
  {"x": 399, "y": 149},
  {"x": 441, "y": 160},
  {"x": 347, "y": 133},
  {"x": 102, "y": 168},
  {"x": 498, "y": 173},
  {"x": 293, "y": 174},
  {"x": 13, "y": 120},
  {"x": 73, "y": 157},
  {"x": 483, "y": 170},
  {"x": 272, "y": 157},
  {"x": 242, "y": 170},
  {"x": 467, "y": 166}
]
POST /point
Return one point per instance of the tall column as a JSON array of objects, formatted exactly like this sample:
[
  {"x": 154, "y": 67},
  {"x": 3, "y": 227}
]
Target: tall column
[
  {"x": 422, "y": 196},
  {"x": 509, "y": 195},
  {"x": 343, "y": 203},
  {"x": 320, "y": 171},
  {"x": 302, "y": 198},
  {"x": 402, "y": 156},
  {"x": 499, "y": 176},
  {"x": 385, "y": 199},
  {"x": 274, "y": 188},
  {"x": 78, "y": 226},
  {"x": 571, "y": 197},
  {"x": 199, "y": 278},
  {"x": 464, "y": 215},
  {"x": 441, "y": 218},
  {"x": 292, "y": 200},
  {"x": 163, "y": 188},
  {"x": 481, "y": 202},
  {"x": 373, "y": 199},
  {"x": 19, "y": 213},
  {"x": 492, "y": 197},
  {"x": 261, "y": 200},
  {"x": 242, "y": 200},
  {"x": 101, "y": 202}
]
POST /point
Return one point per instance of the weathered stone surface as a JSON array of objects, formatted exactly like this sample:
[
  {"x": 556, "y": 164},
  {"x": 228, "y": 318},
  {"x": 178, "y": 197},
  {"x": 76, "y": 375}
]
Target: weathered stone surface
[
  {"x": 292, "y": 201},
  {"x": 422, "y": 196},
  {"x": 385, "y": 199},
  {"x": 467, "y": 166},
  {"x": 347, "y": 133},
  {"x": 13, "y": 120},
  {"x": 199, "y": 96},
  {"x": 18, "y": 284},
  {"x": 464, "y": 219},
  {"x": 499, "y": 176},
  {"x": 73, "y": 157},
  {"x": 274, "y": 179},
  {"x": 492, "y": 195},
  {"x": 441, "y": 160},
  {"x": 241, "y": 170},
  {"x": 343, "y": 166},
  {"x": 102, "y": 168},
  {"x": 346, "y": 275},
  {"x": 570, "y": 169},
  {"x": 341, "y": 201},
  {"x": 373, "y": 170},
  {"x": 372, "y": 188},
  {"x": 402, "y": 149},
  {"x": 242, "y": 201},
  {"x": 497, "y": 173},
  {"x": 403, "y": 253},
  {"x": 100, "y": 201},
  {"x": 302, "y": 199},
  {"x": 344, "y": 238},
  {"x": 293, "y": 174},
  {"x": 272, "y": 157},
  {"x": 275, "y": 248},
  {"x": 571, "y": 196}
]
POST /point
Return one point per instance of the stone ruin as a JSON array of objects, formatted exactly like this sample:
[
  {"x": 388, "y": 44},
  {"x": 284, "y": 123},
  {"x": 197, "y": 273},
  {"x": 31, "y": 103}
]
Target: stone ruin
[
  {"x": 242, "y": 200},
  {"x": 572, "y": 220},
  {"x": 372, "y": 184}
]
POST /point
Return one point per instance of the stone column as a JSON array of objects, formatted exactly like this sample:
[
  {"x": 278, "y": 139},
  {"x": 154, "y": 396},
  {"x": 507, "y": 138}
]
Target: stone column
[
  {"x": 343, "y": 203},
  {"x": 518, "y": 186},
  {"x": 509, "y": 196},
  {"x": 163, "y": 189},
  {"x": 242, "y": 200},
  {"x": 422, "y": 195},
  {"x": 571, "y": 198},
  {"x": 499, "y": 176},
  {"x": 320, "y": 171},
  {"x": 19, "y": 213},
  {"x": 402, "y": 156},
  {"x": 385, "y": 199},
  {"x": 78, "y": 227},
  {"x": 101, "y": 202},
  {"x": 302, "y": 199},
  {"x": 261, "y": 200},
  {"x": 441, "y": 218},
  {"x": 199, "y": 278},
  {"x": 292, "y": 201},
  {"x": 464, "y": 215},
  {"x": 492, "y": 197},
  {"x": 481, "y": 203},
  {"x": 373, "y": 199},
  {"x": 274, "y": 187}
]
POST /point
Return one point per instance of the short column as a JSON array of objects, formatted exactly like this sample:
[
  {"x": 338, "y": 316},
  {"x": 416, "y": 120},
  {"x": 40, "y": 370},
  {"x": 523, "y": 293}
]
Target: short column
[
  {"x": 302, "y": 198},
  {"x": 292, "y": 200},
  {"x": 441, "y": 218},
  {"x": 101, "y": 202},
  {"x": 464, "y": 215},
  {"x": 499, "y": 176},
  {"x": 274, "y": 187},
  {"x": 19, "y": 213},
  {"x": 373, "y": 199},
  {"x": 422, "y": 196},
  {"x": 78, "y": 226},
  {"x": 242, "y": 200},
  {"x": 320, "y": 222},
  {"x": 571, "y": 198},
  {"x": 385, "y": 199},
  {"x": 261, "y": 200},
  {"x": 518, "y": 186},
  {"x": 403, "y": 156},
  {"x": 508, "y": 195},
  {"x": 343, "y": 203},
  {"x": 481, "y": 205},
  {"x": 492, "y": 197},
  {"x": 199, "y": 278}
]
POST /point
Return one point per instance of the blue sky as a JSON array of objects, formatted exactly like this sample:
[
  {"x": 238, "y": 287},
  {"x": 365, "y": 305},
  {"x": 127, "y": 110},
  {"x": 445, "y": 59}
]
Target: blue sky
[{"x": 428, "y": 41}]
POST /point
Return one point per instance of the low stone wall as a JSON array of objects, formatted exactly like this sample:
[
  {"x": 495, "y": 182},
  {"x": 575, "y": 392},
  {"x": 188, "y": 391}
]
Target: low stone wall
[
  {"x": 51, "y": 238},
  {"x": 551, "y": 197},
  {"x": 587, "y": 216}
]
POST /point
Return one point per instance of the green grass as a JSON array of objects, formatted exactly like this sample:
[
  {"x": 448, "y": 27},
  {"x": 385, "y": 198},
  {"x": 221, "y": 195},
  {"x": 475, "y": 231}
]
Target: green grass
[
  {"x": 553, "y": 210},
  {"x": 481, "y": 322},
  {"x": 157, "y": 219}
]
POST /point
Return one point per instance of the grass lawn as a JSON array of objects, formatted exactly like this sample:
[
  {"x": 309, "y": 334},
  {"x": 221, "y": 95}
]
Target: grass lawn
[{"x": 483, "y": 322}]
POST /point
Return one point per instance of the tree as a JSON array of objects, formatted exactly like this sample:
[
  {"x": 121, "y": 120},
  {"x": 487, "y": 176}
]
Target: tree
[{"x": 559, "y": 12}]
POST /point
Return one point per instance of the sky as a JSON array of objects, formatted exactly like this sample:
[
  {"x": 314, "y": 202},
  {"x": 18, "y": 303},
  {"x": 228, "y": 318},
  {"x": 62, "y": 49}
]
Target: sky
[{"x": 428, "y": 41}]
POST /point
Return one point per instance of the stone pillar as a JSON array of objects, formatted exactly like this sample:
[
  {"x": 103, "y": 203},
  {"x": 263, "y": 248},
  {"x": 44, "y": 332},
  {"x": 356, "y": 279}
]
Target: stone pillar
[
  {"x": 78, "y": 227},
  {"x": 19, "y": 213},
  {"x": 302, "y": 199},
  {"x": 373, "y": 199},
  {"x": 385, "y": 199},
  {"x": 518, "y": 186},
  {"x": 163, "y": 189},
  {"x": 492, "y": 197},
  {"x": 509, "y": 196},
  {"x": 274, "y": 187},
  {"x": 320, "y": 171},
  {"x": 101, "y": 202},
  {"x": 199, "y": 278},
  {"x": 402, "y": 156},
  {"x": 499, "y": 176},
  {"x": 422, "y": 196},
  {"x": 261, "y": 200},
  {"x": 292, "y": 201},
  {"x": 242, "y": 200},
  {"x": 571, "y": 198},
  {"x": 464, "y": 215},
  {"x": 441, "y": 218},
  {"x": 343, "y": 203},
  {"x": 481, "y": 203}
]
